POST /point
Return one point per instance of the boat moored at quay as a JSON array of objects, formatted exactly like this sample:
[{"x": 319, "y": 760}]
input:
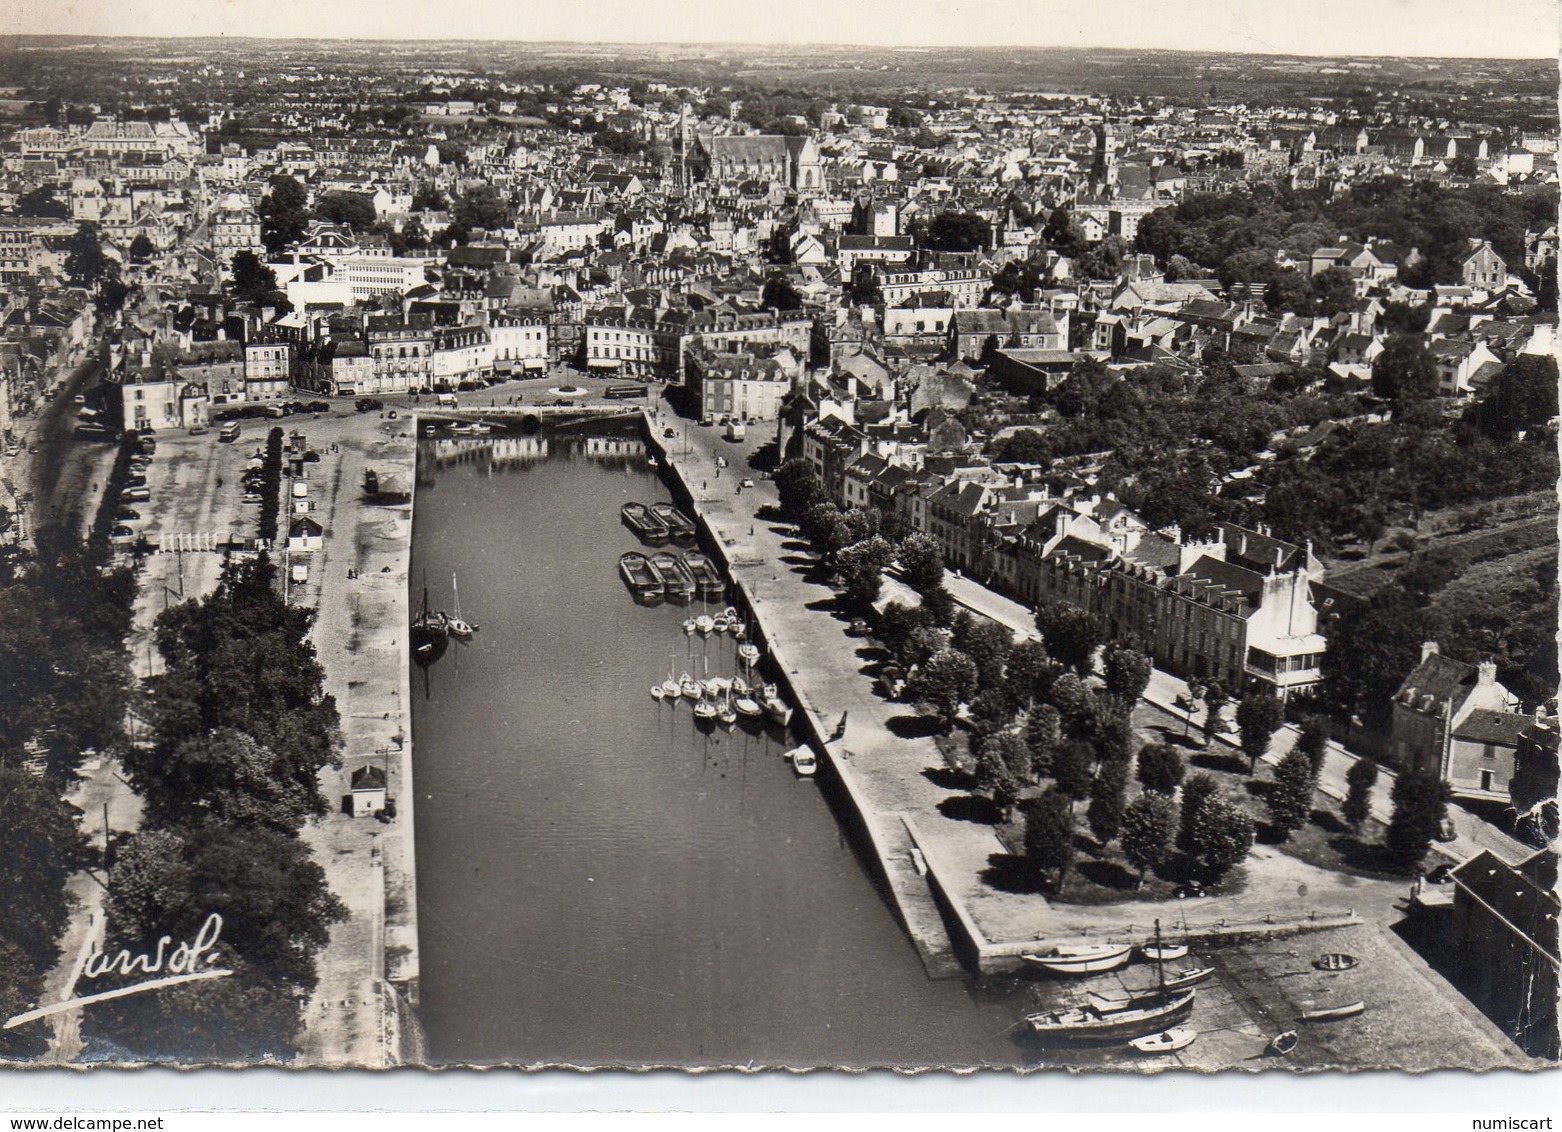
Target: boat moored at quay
[
  {"x": 647, "y": 526},
  {"x": 707, "y": 578},
  {"x": 643, "y": 581},
  {"x": 677, "y": 581},
  {"x": 679, "y": 525}
]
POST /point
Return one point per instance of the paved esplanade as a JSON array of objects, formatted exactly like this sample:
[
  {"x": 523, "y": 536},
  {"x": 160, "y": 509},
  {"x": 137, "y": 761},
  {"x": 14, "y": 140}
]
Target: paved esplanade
[{"x": 900, "y": 800}]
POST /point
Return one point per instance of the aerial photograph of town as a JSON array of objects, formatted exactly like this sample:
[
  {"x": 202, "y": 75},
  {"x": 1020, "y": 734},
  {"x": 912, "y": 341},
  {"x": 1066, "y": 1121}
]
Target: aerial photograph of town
[{"x": 702, "y": 554}]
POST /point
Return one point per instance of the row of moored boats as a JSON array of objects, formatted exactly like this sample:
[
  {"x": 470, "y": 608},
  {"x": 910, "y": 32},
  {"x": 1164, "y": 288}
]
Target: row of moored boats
[
  {"x": 658, "y": 523},
  {"x": 670, "y": 576},
  {"x": 1148, "y": 1019}
]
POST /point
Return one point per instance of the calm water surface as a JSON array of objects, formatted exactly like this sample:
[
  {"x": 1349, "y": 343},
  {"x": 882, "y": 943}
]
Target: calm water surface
[{"x": 599, "y": 882}]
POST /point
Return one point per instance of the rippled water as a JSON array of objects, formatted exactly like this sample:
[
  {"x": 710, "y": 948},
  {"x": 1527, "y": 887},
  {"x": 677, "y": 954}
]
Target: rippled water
[{"x": 600, "y": 882}]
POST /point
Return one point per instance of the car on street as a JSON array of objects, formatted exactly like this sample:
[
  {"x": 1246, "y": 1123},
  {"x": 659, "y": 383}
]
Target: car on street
[
  {"x": 79, "y": 399},
  {"x": 251, "y": 497},
  {"x": 127, "y": 515},
  {"x": 669, "y": 432},
  {"x": 122, "y": 534},
  {"x": 747, "y": 483},
  {"x": 707, "y": 421},
  {"x": 135, "y": 495}
]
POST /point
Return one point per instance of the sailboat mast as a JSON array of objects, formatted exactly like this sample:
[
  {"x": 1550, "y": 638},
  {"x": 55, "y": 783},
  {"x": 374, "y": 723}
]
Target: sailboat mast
[{"x": 1160, "y": 960}]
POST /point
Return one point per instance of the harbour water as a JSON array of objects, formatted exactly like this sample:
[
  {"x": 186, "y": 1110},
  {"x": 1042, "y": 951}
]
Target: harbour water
[{"x": 600, "y": 882}]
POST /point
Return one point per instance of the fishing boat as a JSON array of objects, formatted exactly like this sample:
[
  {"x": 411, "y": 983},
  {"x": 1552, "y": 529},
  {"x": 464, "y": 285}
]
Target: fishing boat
[
  {"x": 1282, "y": 1044},
  {"x": 646, "y": 526},
  {"x": 748, "y": 654},
  {"x": 804, "y": 762},
  {"x": 456, "y": 625},
  {"x": 1332, "y": 1013},
  {"x": 774, "y": 706},
  {"x": 704, "y": 623},
  {"x": 1081, "y": 959},
  {"x": 689, "y": 687},
  {"x": 676, "y": 586},
  {"x": 706, "y": 577},
  {"x": 644, "y": 582},
  {"x": 1335, "y": 961},
  {"x": 1164, "y": 954},
  {"x": 1088, "y": 1022},
  {"x": 1167, "y": 1041},
  {"x": 679, "y": 526},
  {"x": 430, "y": 629}
]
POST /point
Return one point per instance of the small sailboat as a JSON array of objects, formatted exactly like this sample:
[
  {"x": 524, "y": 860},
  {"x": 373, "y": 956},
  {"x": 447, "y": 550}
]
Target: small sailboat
[
  {"x": 657, "y": 693},
  {"x": 670, "y": 689},
  {"x": 739, "y": 686},
  {"x": 725, "y": 712},
  {"x": 1167, "y": 1041},
  {"x": 1087, "y": 1022},
  {"x": 455, "y": 624},
  {"x": 688, "y": 626},
  {"x": 747, "y": 707},
  {"x": 690, "y": 687},
  {"x": 1164, "y": 954},
  {"x": 704, "y": 710},
  {"x": 430, "y": 631},
  {"x": 1332, "y": 1013},
  {"x": 804, "y": 762},
  {"x": 748, "y": 654},
  {"x": 704, "y": 624},
  {"x": 1188, "y": 978},
  {"x": 1081, "y": 959}
]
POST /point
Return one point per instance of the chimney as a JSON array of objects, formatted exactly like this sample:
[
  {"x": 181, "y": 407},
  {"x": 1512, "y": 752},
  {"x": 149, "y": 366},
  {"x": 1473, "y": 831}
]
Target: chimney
[
  {"x": 1428, "y": 648},
  {"x": 1486, "y": 673}
]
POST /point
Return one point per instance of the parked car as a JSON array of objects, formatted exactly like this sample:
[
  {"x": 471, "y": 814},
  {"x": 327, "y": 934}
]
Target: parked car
[
  {"x": 369, "y": 404},
  {"x": 318, "y": 407},
  {"x": 135, "y": 481},
  {"x": 251, "y": 497},
  {"x": 122, "y": 535},
  {"x": 127, "y": 515},
  {"x": 135, "y": 495},
  {"x": 747, "y": 483},
  {"x": 669, "y": 432}
]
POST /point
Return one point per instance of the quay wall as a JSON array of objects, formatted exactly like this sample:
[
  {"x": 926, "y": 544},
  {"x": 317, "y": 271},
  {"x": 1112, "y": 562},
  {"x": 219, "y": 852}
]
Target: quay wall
[
  {"x": 910, "y": 896},
  {"x": 400, "y": 941}
]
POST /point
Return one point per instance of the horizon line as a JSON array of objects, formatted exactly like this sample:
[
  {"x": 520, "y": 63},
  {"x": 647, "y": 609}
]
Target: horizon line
[{"x": 772, "y": 45}]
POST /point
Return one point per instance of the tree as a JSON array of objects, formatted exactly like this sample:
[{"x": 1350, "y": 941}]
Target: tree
[
  {"x": 957, "y": 232},
  {"x": 1359, "y": 782},
  {"x": 1196, "y": 791},
  {"x": 1313, "y": 741},
  {"x": 1420, "y": 808},
  {"x": 779, "y": 295},
  {"x": 1002, "y": 767},
  {"x": 1149, "y": 826},
  {"x": 428, "y": 198},
  {"x": 799, "y": 489},
  {"x": 1127, "y": 673},
  {"x": 352, "y": 209},
  {"x": 946, "y": 681},
  {"x": 482, "y": 208},
  {"x": 939, "y": 606},
  {"x": 1028, "y": 672},
  {"x": 141, "y": 248},
  {"x": 1404, "y": 371},
  {"x": 1259, "y": 716},
  {"x": 1215, "y": 698},
  {"x": 921, "y": 561},
  {"x": 1372, "y": 648},
  {"x": 1049, "y": 836},
  {"x": 1072, "y": 635},
  {"x": 1221, "y": 837},
  {"x": 1334, "y": 290},
  {"x": 1073, "y": 769},
  {"x": 42, "y": 202},
  {"x": 1161, "y": 768},
  {"x": 85, "y": 263},
  {"x": 862, "y": 570},
  {"x": 1108, "y": 800},
  {"x": 1523, "y": 396},
  {"x": 284, "y": 214},
  {"x": 991, "y": 711},
  {"x": 252, "y": 279},
  {"x": 988, "y": 644},
  {"x": 1043, "y": 734},
  {"x": 1290, "y": 797}
]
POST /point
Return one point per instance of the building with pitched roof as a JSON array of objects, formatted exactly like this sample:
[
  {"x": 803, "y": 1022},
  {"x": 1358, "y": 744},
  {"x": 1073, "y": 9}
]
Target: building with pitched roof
[{"x": 1445, "y": 722}]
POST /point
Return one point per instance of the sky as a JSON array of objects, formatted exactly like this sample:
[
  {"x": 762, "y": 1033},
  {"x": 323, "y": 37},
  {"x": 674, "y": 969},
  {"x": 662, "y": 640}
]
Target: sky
[{"x": 1462, "y": 28}]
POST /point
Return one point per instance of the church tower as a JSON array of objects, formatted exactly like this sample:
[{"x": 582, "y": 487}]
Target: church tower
[{"x": 1103, "y": 173}]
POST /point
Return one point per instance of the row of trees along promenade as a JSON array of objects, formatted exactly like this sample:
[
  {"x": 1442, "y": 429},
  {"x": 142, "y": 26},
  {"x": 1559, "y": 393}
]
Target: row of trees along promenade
[{"x": 1040, "y": 733}]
